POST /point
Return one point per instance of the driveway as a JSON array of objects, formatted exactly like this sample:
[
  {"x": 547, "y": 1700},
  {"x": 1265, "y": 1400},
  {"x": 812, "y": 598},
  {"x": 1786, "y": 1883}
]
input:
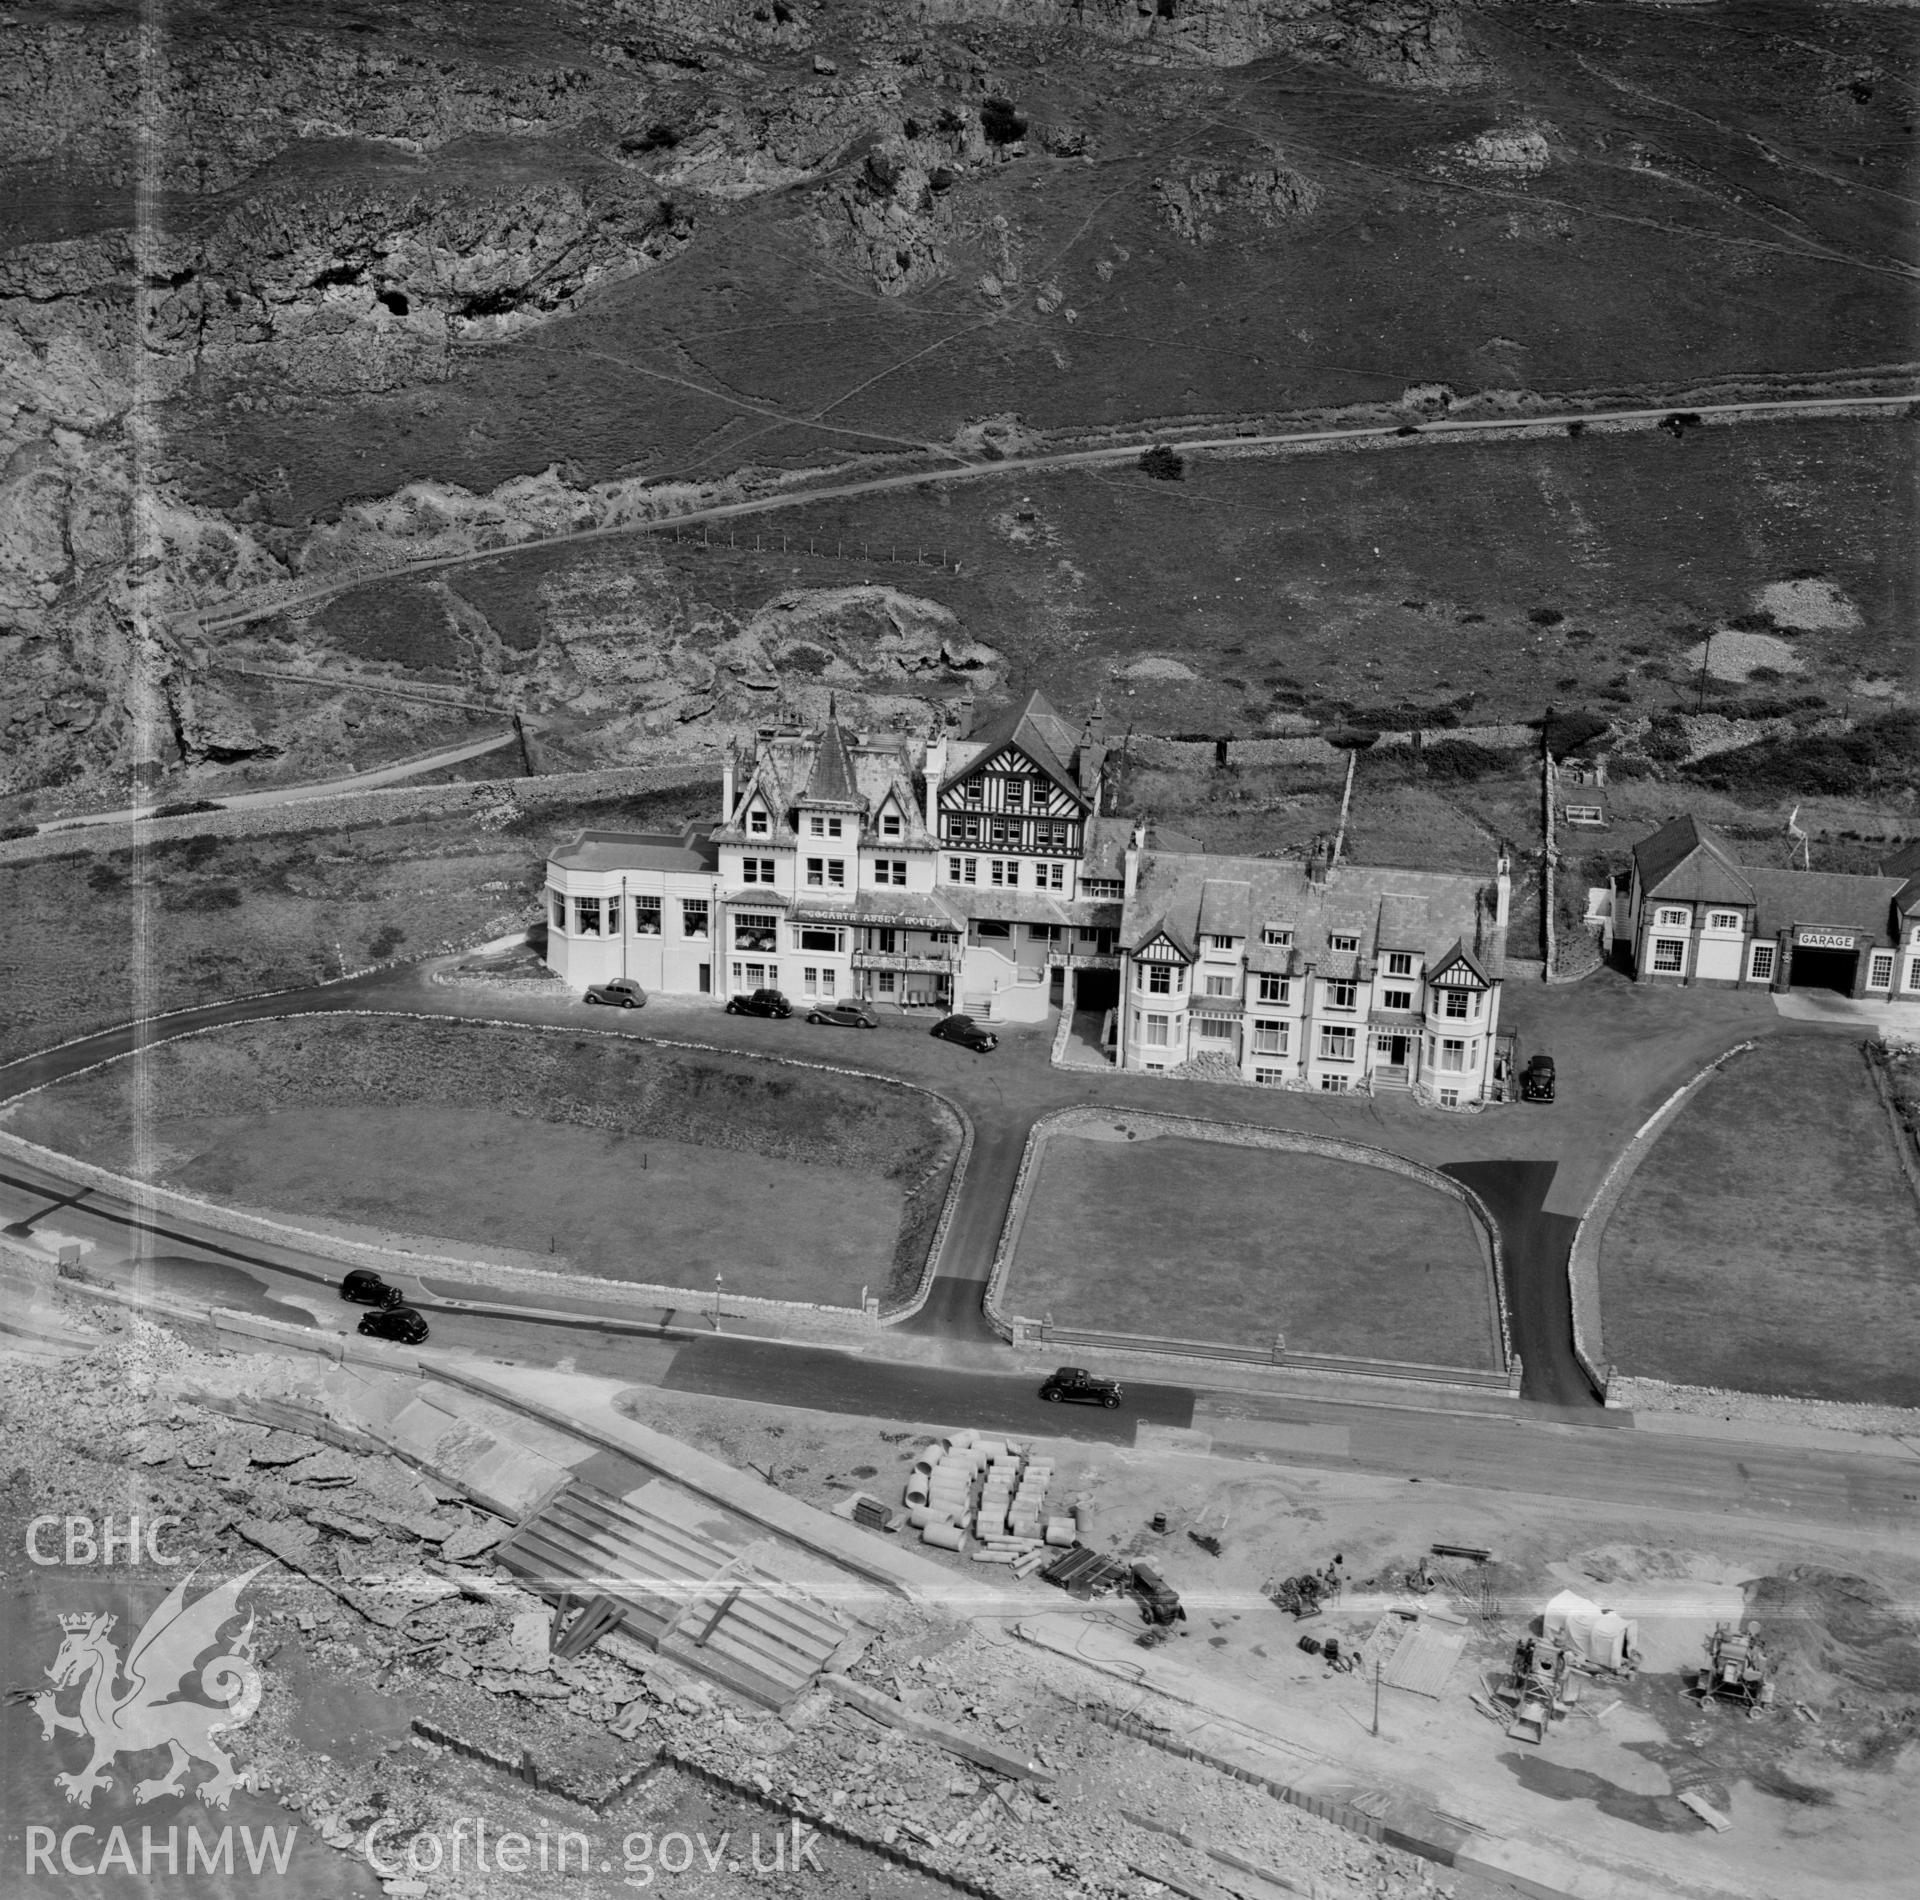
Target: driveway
[{"x": 1621, "y": 1050}]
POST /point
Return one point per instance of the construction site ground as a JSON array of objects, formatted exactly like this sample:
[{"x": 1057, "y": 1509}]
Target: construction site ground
[{"x": 124, "y": 1416}]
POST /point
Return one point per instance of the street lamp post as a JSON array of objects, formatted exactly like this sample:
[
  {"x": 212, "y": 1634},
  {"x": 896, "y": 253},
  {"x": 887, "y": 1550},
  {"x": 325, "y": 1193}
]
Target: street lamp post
[
  {"x": 716, "y": 1302},
  {"x": 623, "y": 928}
]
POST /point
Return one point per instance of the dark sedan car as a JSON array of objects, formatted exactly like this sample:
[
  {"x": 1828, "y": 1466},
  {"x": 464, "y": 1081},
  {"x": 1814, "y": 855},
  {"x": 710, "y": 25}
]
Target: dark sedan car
[
  {"x": 366, "y": 1288},
  {"x": 760, "y": 1003},
  {"x": 622, "y": 993},
  {"x": 966, "y": 1032},
  {"x": 1074, "y": 1385},
  {"x": 1536, "y": 1083},
  {"x": 846, "y": 1014},
  {"x": 399, "y": 1323}
]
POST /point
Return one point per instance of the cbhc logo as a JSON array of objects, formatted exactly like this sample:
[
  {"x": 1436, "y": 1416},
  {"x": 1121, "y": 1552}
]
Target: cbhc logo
[{"x": 78, "y": 1544}]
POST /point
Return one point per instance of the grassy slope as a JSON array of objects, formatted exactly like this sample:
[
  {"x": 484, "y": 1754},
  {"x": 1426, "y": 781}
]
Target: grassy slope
[
  {"x": 1768, "y": 1242},
  {"x": 1196, "y": 1240},
  {"x": 1361, "y": 579},
  {"x": 263, "y": 1115},
  {"x": 1658, "y": 247},
  {"x": 230, "y": 916},
  {"x": 560, "y": 1199}
]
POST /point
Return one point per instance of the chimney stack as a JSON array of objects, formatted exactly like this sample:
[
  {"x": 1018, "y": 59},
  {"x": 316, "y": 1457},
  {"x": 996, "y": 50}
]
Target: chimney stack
[
  {"x": 1317, "y": 861},
  {"x": 726, "y": 786},
  {"x": 936, "y": 770},
  {"x": 1502, "y": 887}
]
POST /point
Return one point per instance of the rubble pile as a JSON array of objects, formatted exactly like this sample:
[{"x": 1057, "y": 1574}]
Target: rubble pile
[{"x": 966, "y": 1752}]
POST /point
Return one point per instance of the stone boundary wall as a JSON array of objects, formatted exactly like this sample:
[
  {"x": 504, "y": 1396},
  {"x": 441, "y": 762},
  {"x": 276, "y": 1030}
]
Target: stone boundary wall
[
  {"x": 930, "y": 1268},
  {"x": 1203, "y": 755},
  {"x": 1583, "y": 1257},
  {"x": 1244, "y": 1135},
  {"x": 521, "y": 1279},
  {"x": 818, "y": 1821},
  {"x": 1705, "y": 1401},
  {"x": 381, "y": 804},
  {"x": 1906, "y": 1145}
]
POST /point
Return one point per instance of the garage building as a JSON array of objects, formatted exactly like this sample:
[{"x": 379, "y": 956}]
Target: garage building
[{"x": 1695, "y": 914}]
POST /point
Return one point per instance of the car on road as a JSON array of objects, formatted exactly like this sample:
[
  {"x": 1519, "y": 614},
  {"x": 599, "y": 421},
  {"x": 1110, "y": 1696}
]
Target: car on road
[
  {"x": 366, "y": 1288},
  {"x": 966, "y": 1032},
  {"x": 845, "y": 1014},
  {"x": 1075, "y": 1385},
  {"x": 622, "y": 993},
  {"x": 400, "y": 1323},
  {"x": 760, "y": 1003},
  {"x": 1536, "y": 1080}
]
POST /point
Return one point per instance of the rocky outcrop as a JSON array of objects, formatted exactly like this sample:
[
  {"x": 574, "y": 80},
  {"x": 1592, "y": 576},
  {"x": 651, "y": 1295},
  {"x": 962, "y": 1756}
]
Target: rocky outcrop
[
  {"x": 1410, "y": 43},
  {"x": 1198, "y": 200},
  {"x": 890, "y": 219}
]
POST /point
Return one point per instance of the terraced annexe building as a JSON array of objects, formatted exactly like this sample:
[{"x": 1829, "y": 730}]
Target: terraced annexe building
[
  {"x": 1693, "y": 914},
  {"x": 1329, "y": 975},
  {"x": 981, "y": 875}
]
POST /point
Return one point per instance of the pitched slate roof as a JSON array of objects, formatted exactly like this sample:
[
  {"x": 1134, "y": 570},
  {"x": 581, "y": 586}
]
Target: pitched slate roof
[
  {"x": 1037, "y": 730},
  {"x": 1103, "y": 852},
  {"x": 831, "y": 780},
  {"x": 1226, "y": 908},
  {"x": 1832, "y": 900},
  {"x": 1689, "y": 864},
  {"x": 1377, "y": 904},
  {"x": 1903, "y": 863}
]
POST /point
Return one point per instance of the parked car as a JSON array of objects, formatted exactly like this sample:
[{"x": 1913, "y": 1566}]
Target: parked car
[
  {"x": 845, "y": 1014},
  {"x": 366, "y": 1288},
  {"x": 966, "y": 1032},
  {"x": 1536, "y": 1081},
  {"x": 400, "y": 1323},
  {"x": 760, "y": 1003},
  {"x": 1074, "y": 1385},
  {"x": 622, "y": 993}
]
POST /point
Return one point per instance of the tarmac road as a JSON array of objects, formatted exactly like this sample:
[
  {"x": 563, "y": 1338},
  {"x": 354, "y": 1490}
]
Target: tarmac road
[
  {"x": 1536, "y": 1245},
  {"x": 1842, "y": 1492},
  {"x": 823, "y": 1380}
]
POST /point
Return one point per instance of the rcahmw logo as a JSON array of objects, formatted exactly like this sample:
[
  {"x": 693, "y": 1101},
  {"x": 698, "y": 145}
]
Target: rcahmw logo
[{"x": 140, "y": 1704}]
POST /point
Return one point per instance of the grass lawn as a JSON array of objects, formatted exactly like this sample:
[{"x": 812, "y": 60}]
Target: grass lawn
[
  {"x": 569, "y": 1199},
  {"x": 576, "y": 1153},
  {"x": 1769, "y": 1242},
  {"x": 1204, "y": 1240}
]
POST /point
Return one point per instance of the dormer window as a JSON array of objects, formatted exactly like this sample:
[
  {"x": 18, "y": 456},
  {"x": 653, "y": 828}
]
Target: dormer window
[
  {"x": 1273, "y": 934},
  {"x": 1338, "y": 943},
  {"x": 1224, "y": 944},
  {"x": 1399, "y": 963},
  {"x": 823, "y": 827},
  {"x": 758, "y": 823},
  {"x": 890, "y": 825}
]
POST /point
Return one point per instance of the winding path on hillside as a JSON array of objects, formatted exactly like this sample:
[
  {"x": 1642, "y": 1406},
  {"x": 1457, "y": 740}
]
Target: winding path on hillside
[{"x": 214, "y": 618}]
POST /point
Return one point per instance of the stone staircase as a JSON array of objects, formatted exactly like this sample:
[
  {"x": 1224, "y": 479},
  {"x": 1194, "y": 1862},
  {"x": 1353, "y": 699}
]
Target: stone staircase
[{"x": 679, "y": 1593}]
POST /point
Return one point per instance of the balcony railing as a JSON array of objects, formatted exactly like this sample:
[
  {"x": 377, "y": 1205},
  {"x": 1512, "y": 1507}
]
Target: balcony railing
[
  {"x": 1081, "y": 960},
  {"x": 938, "y": 960}
]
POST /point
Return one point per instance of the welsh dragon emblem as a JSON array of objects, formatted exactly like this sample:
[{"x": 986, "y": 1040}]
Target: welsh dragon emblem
[{"x": 136, "y": 1707}]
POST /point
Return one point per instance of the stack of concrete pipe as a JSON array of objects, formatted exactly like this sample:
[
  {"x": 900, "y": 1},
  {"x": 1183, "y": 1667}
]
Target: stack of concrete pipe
[{"x": 967, "y": 1481}]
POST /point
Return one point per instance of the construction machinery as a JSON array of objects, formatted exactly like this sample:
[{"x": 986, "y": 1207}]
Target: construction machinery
[
  {"x": 1737, "y": 1670},
  {"x": 1542, "y": 1686}
]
